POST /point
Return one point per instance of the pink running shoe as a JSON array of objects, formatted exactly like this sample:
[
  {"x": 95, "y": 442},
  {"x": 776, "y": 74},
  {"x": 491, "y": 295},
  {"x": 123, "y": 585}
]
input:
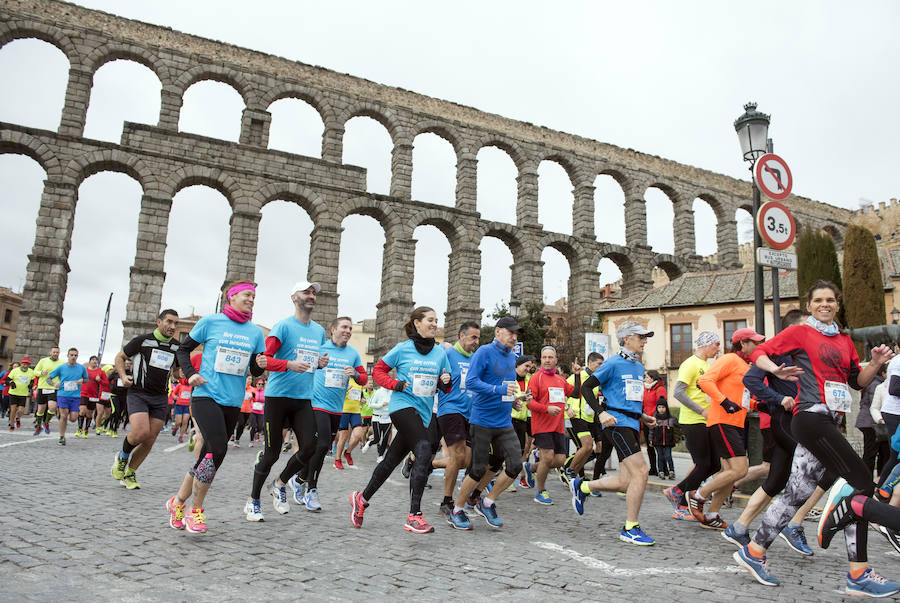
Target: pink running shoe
[
  {"x": 176, "y": 514},
  {"x": 195, "y": 521},
  {"x": 357, "y": 508},
  {"x": 417, "y": 524}
]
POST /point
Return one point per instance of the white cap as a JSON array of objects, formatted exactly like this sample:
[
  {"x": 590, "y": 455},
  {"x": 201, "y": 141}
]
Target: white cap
[{"x": 304, "y": 285}]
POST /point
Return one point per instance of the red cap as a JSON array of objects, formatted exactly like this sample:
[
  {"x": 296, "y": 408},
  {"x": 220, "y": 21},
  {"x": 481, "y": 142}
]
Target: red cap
[
  {"x": 25, "y": 359},
  {"x": 746, "y": 333}
]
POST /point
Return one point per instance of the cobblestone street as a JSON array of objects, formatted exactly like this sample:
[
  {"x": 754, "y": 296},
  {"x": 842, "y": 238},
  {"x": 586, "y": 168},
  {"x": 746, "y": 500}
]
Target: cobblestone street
[{"x": 72, "y": 532}]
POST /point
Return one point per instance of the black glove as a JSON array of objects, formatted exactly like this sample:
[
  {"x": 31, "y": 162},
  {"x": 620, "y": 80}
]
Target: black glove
[
  {"x": 730, "y": 407},
  {"x": 763, "y": 407},
  {"x": 401, "y": 385}
]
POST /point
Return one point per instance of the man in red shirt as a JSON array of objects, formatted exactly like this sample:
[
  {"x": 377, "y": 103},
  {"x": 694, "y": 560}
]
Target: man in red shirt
[
  {"x": 550, "y": 390},
  {"x": 90, "y": 395}
]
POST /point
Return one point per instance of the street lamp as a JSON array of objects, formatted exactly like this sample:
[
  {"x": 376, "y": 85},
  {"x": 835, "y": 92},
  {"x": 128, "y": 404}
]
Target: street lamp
[
  {"x": 753, "y": 132},
  {"x": 895, "y": 315},
  {"x": 514, "y": 307}
]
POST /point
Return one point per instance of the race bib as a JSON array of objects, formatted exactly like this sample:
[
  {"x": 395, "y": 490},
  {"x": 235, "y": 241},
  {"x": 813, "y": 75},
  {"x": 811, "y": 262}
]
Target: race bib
[
  {"x": 161, "y": 359},
  {"x": 310, "y": 356},
  {"x": 335, "y": 377},
  {"x": 837, "y": 396},
  {"x": 70, "y": 386},
  {"x": 463, "y": 373},
  {"x": 505, "y": 385},
  {"x": 22, "y": 379},
  {"x": 424, "y": 384},
  {"x": 93, "y": 399},
  {"x": 745, "y": 399},
  {"x": 231, "y": 361},
  {"x": 257, "y": 406},
  {"x": 634, "y": 390},
  {"x": 105, "y": 396},
  {"x": 185, "y": 395},
  {"x": 557, "y": 395},
  {"x": 47, "y": 391},
  {"x": 355, "y": 394}
]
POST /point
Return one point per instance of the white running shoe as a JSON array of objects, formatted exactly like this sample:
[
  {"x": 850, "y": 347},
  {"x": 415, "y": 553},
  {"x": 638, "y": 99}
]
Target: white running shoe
[
  {"x": 279, "y": 498},
  {"x": 253, "y": 510}
]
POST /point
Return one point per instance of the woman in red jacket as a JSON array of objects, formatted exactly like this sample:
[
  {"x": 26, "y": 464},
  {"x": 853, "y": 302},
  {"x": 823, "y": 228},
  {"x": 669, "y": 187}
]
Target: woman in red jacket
[{"x": 654, "y": 389}]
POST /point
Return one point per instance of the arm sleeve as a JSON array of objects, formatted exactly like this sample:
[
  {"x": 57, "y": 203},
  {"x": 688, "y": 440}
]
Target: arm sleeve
[
  {"x": 707, "y": 381},
  {"x": 685, "y": 400},
  {"x": 875, "y": 406},
  {"x": 133, "y": 347},
  {"x": 894, "y": 385},
  {"x": 274, "y": 365},
  {"x": 380, "y": 374},
  {"x": 362, "y": 377},
  {"x": 755, "y": 382},
  {"x": 587, "y": 392},
  {"x": 183, "y": 355},
  {"x": 255, "y": 369}
]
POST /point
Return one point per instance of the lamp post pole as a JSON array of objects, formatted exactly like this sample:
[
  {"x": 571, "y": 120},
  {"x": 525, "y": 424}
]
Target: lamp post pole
[{"x": 758, "y": 291}]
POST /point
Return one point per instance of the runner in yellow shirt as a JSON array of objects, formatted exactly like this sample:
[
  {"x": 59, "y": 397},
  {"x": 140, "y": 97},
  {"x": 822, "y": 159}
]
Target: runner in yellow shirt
[
  {"x": 46, "y": 395},
  {"x": 350, "y": 429},
  {"x": 18, "y": 379}
]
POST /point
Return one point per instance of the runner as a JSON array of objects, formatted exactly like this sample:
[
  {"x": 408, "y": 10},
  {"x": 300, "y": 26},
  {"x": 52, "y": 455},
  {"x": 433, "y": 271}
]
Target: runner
[
  {"x": 727, "y": 412},
  {"x": 67, "y": 378},
  {"x": 18, "y": 380},
  {"x": 521, "y": 421},
  {"x": 584, "y": 431},
  {"x": 244, "y": 417},
  {"x": 293, "y": 350},
  {"x": 455, "y": 409},
  {"x": 232, "y": 345},
  {"x": 182, "y": 395},
  {"x": 104, "y": 404},
  {"x": 90, "y": 395},
  {"x": 365, "y": 413},
  {"x": 153, "y": 356},
  {"x": 257, "y": 410},
  {"x": 381, "y": 420},
  {"x": 621, "y": 378},
  {"x": 118, "y": 400},
  {"x": 549, "y": 391},
  {"x": 422, "y": 368},
  {"x": 827, "y": 366},
  {"x": 4, "y": 405},
  {"x": 350, "y": 429},
  {"x": 43, "y": 415},
  {"x": 692, "y": 418},
  {"x": 492, "y": 380}
]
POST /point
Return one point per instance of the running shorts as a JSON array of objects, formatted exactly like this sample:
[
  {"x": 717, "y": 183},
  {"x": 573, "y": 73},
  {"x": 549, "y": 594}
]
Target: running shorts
[
  {"x": 728, "y": 441},
  {"x": 625, "y": 440},
  {"x": 43, "y": 398},
  {"x": 90, "y": 403},
  {"x": 155, "y": 406},
  {"x": 455, "y": 428},
  {"x": 182, "y": 409},
  {"x": 552, "y": 440},
  {"x": 349, "y": 419},
  {"x": 70, "y": 404}
]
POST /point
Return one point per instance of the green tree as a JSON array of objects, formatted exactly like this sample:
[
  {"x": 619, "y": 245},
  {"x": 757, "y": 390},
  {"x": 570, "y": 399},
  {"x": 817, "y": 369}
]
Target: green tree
[
  {"x": 816, "y": 259},
  {"x": 864, "y": 288},
  {"x": 533, "y": 322}
]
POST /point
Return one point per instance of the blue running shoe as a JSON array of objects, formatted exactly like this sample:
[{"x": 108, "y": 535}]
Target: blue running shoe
[
  {"x": 673, "y": 497},
  {"x": 298, "y": 489},
  {"x": 529, "y": 475},
  {"x": 543, "y": 498},
  {"x": 489, "y": 487},
  {"x": 758, "y": 568},
  {"x": 796, "y": 539},
  {"x": 577, "y": 495},
  {"x": 636, "y": 536},
  {"x": 837, "y": 513},
  {"x": 489, "y": 514},
  {"x": 459, "y": 520},
  {"x": 871, "y": 584},
  {"x": 740, "y": 540},
  {"x": 311, "y": 500}
]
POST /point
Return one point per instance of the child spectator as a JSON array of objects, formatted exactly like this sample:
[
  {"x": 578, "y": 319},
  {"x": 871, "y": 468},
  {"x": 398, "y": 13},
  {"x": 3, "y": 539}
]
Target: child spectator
[{"x": 663, "y": 438}]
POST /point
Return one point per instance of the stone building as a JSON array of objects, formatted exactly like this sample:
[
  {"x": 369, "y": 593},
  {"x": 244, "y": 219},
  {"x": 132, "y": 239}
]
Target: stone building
[
  {"x": 164, "y": 160},
  {"x": 10, "y": 306}
]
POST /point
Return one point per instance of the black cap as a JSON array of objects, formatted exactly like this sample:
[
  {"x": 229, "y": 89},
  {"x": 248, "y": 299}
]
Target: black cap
[
  {"x": 509, "y": 323},
  {"x": 523, "y": 359}
]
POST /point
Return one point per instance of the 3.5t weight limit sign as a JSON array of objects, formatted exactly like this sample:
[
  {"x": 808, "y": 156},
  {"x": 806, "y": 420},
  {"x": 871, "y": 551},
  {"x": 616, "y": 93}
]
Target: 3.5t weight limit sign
[
  {"x": 773, "y": 177},
  {"x": 776, "y": 225}
]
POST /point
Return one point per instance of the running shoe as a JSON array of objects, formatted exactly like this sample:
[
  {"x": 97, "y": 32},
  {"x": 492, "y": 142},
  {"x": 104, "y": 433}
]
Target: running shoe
[
  {"x": 253, "y": 510},
  {"x": 77, "y": 433},
  {"x": 471, "y": 502},
  {"x": 349, "y": 458},
  {"x": 311, "y": 500},
  {"x": 714, "y": 523},
  {"x": 543, "y": 498},
  {"x": 195, "y": 521},
  {"x": 416, "y": 524},
  {"x": 118, "y": 467},
  {"x": 673, "y": 495},
  {"x": 758, "y": 568},
  {"x": 47, "y": 428},
  {"x": 11, "y": 428},
  {"x": 338, "y": 464},
  {"x": 739, "y": 540},
  {"x": 298, "y": 489},
  {"x": 529, "y": 474},
  {"x": 892, "y": 536},
  {"x": 37, "y": 430},
  {"x": 235, "y": 443},
  {"x": 250, "y": 444},
  {"x": 796, "y": 539},
  {"x": 357, "y": 508},
  {"x": 814, "y": 514},
  {"x": 636, "y": 536},
  {"x": 18, "y": 424},
  {"x": 683, "y": 513},
  {"x": 286, "y": 447},
  {"x": 871, "y": 584},
  {"x": 180, "y": 439},
  {"x": 489, "y": 514},
  {"x": 84, "y": 434},
  {"x": 176, "y": 514},
  {"x": 379, "y": 458},
  {"x": 578, "y": 496},
  {"x": 566, "y": 476},
  {"x": 365, "y": 447},
  {"x": 446, "y": 508},
  {"x": 523, "y": 483},
  {"x": 837, "y": 513},
  {"x": 695, "y": 505},
  {"x": 279, "y": 498},
  {"x": 98, "y": 431},
  {"x": 61, "y": 442},
  {"x": 459, "y": 520},
  {"x": 407, "y": 467},
  {"x": 191, "y": 443},
  {"x": 130, "y": 481}
]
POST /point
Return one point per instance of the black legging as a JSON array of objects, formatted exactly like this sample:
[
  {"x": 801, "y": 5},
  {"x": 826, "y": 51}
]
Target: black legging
[
  {"x": 706, "y": 461},
  {"x": 382, "y": 432},
  {"x": 412, "y": 436},
  {"x": 782, "y": 454},
  {"x": 216, "y": 424},
  {"x": 256, "y": 425},
  {"x": 243, "y": 420},
  {"x": 309, "y": 468},
  {"x": 278, "y": 414}
]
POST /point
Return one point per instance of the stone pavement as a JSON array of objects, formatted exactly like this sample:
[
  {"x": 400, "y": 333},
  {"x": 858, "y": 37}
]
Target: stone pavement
[{"x": 70, "y": 532}]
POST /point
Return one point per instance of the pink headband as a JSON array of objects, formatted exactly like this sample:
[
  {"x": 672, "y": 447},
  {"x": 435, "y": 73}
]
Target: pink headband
[{"x": 238, "y": 288}]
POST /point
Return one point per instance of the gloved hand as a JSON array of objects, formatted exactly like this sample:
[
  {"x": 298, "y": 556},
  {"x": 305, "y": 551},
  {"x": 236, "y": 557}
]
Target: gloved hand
[
  {"x": 401, "y": 385},
  {"x": 730, "y": 407}
]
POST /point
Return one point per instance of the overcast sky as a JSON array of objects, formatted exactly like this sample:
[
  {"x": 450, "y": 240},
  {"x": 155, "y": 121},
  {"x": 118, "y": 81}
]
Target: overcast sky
[{"x": 663, "y": 78}]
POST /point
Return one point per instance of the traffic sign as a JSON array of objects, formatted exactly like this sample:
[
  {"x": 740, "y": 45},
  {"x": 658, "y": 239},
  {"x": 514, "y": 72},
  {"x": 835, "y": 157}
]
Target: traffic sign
[
  {"x": 773, "y": 177},
  {"x": 776, "y": 225},
  {"x": 776, "y": 259},
  {"x": 518, "y": 349}
]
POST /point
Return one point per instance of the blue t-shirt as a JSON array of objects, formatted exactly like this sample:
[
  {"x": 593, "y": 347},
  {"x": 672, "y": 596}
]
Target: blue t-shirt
[
  {"x": 490, "y": 368},
  {"x": 621, "y": 379},
  {"x": 227, "y": 348},
  {"x": 422, "y": 372},
  {"x": 330, "y": 382},
  {"x": 298, "y": 342},
  {"x": 458, "y": 399},
  {"x": 68, "y": 374}
]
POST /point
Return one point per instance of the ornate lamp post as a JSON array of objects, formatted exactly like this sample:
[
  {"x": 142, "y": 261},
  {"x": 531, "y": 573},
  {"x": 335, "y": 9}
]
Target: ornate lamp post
[{"x": 514, "y": 307}]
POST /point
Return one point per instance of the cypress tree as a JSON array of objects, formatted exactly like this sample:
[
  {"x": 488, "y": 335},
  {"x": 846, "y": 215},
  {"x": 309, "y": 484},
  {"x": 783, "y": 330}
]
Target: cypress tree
[
  {"x": 864, "y": 290},
  {"x": 817, "y": 259}
]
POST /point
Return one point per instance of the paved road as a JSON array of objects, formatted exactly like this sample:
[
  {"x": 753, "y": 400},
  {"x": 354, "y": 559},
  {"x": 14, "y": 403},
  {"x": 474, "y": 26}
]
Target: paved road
[{"x": 70, "y": 531}]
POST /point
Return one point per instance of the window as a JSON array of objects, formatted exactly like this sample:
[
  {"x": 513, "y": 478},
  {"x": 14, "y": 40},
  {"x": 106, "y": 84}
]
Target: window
[
  {"x": 682, "y": 344},
  {"x": 4, "y": 341},
  {"x": 369, "y": 367},
  {"x": 371, "y": 347},
  {"x": 7, "y": 315},
  {"x": 730, "y": 327}
]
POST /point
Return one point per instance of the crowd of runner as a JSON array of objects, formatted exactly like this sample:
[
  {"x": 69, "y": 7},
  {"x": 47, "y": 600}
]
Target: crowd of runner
[{"x": 500, "y": 421}]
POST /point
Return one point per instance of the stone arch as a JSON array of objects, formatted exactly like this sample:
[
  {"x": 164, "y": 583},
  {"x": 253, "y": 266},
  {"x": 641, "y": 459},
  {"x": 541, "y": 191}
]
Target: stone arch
[
  {"x": 508, "y": 234},
  {"x": 518, "y": 155},
  {"x": 382, "y": 115},
  {"x": 112, "y": 160},
  {"x": 383, "y": 213},
  {"x": 623, "y": 179},
  {"x": 442, "y": 130},
  {"x": 718, "y": 206},
  {"x": 218, "y": 73},
  {"x": 566, "y": 163},
  {"x": 214, "y": 178},
  {"x": 19, "y": 143},
  {"x": 620, "y": 256},
  {"x": 561, "y": 244},
  {"x": 16, "y": 30},
  {"x": 309, "y": 200},
  {"x": 455, "y": 231},
  {"x": 669, "y": 264},
  {"x": 308, "y": 95},
  {"x": 127, "y": 52}
]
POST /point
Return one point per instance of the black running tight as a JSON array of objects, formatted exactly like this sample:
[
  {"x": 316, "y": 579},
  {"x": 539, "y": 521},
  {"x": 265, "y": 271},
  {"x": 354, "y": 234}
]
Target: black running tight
[{"x": 412, "y": 436}]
